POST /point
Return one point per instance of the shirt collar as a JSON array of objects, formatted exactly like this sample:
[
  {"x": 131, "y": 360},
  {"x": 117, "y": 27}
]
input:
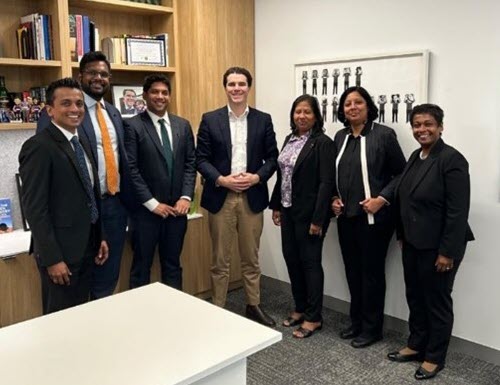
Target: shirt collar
[
  {"x": 68, "y": 135},
  {"x": 300, "y": 137},
  {"x": 91, "y": 102},
  {"x": 155, "y": 117},
  {"x": 233, "y": 115}
]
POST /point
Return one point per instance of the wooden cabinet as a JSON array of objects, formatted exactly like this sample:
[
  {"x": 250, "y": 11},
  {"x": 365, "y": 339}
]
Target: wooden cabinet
[{"x": 112, "y": 17}]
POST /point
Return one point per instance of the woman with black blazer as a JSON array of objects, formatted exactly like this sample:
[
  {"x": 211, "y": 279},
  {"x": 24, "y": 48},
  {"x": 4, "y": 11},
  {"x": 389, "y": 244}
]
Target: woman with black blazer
[
  {"x": 432, "y": 199},
  {"x": 300, "y": 202},
  {"x": 368, "y": 161}
]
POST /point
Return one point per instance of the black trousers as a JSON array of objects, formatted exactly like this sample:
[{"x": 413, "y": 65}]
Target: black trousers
[
  {"x": 364, "y": 248},
  {"x": 302, "y": 253},
  {"x": 59, "y": 297},
  {"x": 149, "y": 231},
  {"x": 429, "y": 299}
]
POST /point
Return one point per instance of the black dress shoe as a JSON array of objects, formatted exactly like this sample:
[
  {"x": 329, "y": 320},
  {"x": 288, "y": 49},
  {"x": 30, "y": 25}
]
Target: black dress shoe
[
  {"x": 364, "y": 341},
  {"x": 349, "y": 333},
  {"x": 398, "y": 357},
  {"x": 422, "y": 374},
  {"x": 255, "y": 313}
]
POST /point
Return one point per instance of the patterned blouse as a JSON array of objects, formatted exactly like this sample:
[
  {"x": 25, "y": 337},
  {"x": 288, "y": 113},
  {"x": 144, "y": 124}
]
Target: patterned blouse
[{"x": 286, "y": 162}]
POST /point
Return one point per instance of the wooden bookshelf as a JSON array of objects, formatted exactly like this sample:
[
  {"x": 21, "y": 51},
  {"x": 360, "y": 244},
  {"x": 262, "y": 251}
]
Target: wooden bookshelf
[{"x": 17, "y": 126}]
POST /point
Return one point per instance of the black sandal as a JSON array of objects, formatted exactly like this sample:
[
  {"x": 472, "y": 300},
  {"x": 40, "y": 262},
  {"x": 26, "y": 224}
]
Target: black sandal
[
  {"x": 306, "y": 333},
  {"x": 290, "y": 321}
]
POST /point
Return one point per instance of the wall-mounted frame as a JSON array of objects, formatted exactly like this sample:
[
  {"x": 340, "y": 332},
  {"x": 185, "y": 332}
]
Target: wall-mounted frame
[
  {"x": 19, "y": 183},
  {"x": 396, "y": 82},
  {"x": 128, "y": 99}
]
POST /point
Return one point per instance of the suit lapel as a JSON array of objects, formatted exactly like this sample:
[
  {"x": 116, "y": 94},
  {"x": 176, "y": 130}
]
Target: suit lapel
[
  {"x": 308, "y": 146},
  {"x": 225, "y": 130},
  {"x": 150, "y": 129},
  {"x": 116, "y": 119},
  {"x": 86, "y": 130},
  {"x": 427, "y": 164},
  {"x": 252, "y": 127},
  {"x": 176, "y": 133}
]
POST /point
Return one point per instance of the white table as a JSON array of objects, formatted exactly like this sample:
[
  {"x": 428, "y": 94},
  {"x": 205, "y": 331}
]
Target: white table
[{"x": 152, "y": 335}]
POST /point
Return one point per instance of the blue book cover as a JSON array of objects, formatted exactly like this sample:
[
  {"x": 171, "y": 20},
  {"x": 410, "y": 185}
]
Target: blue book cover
[
  {"x": 86, "y": 34},
  {"x": 5, "y": 216}
]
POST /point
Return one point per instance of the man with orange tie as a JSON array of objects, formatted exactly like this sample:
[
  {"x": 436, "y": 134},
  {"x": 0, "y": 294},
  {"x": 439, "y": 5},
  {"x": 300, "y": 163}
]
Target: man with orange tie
[{"x": 102, "y": 129}]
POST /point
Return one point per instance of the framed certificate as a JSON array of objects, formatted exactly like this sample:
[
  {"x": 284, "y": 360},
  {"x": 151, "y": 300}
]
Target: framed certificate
[{"x": 150, "y": 52}]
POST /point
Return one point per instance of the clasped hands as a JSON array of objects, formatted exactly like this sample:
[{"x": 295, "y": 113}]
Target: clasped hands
[
  {"x": 238, "y": 182},
  {"x": 370, "y": 205},
  {"x": 180, "y": 208}
]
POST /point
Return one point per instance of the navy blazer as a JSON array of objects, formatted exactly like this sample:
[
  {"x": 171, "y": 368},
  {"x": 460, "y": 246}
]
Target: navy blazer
[
  {"x": 148, "y": 164},
  {"x": 313, "y": 180},
  {"x": 86, "y": 133},
  {"x": 214, "y": 153},
  {"x": 439, "y": 203},
  {"x": 54, "y": 198}
]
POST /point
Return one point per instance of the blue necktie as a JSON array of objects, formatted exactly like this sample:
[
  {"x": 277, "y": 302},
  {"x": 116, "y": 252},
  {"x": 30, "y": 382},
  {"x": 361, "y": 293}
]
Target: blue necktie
[
  {"x": 167, "y": 149},
  {"x": 82, "y": 164}
]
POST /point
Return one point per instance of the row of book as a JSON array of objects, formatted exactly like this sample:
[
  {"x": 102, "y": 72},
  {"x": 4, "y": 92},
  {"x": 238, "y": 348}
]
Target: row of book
[
  {"x": 83, "y": 36},
  {"x": 34, "y": 37}
]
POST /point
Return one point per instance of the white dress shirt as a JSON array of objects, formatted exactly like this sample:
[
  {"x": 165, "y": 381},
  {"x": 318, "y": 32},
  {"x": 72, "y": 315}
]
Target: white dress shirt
[{"x": 239, "y": 128}]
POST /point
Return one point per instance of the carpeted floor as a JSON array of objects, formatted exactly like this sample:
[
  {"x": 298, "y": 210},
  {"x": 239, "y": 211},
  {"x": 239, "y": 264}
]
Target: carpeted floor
[{"x": 326, "y": 359}]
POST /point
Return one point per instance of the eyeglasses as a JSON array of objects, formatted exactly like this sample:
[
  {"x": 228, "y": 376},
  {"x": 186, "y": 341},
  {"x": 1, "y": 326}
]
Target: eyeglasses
[{"x": 94, "y": 73}]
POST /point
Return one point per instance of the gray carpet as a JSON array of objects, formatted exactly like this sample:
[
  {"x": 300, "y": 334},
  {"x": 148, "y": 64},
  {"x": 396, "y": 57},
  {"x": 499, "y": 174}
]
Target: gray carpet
[{"x": 326, "y": 359}]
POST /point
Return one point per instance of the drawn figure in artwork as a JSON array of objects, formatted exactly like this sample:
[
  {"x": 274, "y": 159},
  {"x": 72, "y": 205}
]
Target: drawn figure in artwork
[
  {"x": 359, "y": 72},
  {"x": 395, "y": 100},
  {"x": 382, "y": 101},
  {"x": 304, "y": 82},
  {"x": 324, "y": 75},
  {"x": 335, "y": 108},
  {"x": 324, "y": 104},
  {"x": 347, "y": 74},
  {"x": 409, "y": 100},
  {"x": 315, "y": 82},
  {"x": 336, "y": 74}
]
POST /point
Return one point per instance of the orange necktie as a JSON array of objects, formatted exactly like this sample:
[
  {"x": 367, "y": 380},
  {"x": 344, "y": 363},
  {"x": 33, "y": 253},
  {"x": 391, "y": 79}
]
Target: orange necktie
[{"x": 109, "y": 156}]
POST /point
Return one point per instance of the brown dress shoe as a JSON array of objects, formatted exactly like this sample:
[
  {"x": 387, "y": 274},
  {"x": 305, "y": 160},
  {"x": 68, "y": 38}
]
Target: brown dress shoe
[{"x": 255, "y": 313}]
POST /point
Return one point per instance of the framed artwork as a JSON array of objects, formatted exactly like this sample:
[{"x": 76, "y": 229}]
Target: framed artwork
[
  {"x": 19, "y": 183},
  {"x": 396, "y": 82},
  {"x": 128, "y": 99}
]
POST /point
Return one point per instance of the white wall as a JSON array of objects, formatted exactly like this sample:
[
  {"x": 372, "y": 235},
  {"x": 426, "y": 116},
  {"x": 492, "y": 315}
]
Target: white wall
[{"x": 464, "y": 40}]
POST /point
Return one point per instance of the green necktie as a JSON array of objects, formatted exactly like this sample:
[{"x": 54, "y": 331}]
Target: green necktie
[{"x": 167, "y": 148}]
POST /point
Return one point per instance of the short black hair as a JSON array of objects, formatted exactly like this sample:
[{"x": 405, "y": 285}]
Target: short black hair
[
  {"x": 313, "y": 103},
  {"x": 427, "y": 108},
  {"x": 372, "y": 108},
  {"x": 91, "y": 57},
  {"x": 150, "y": 79},
  {"x": 129, "y": 90},
  {"x": 240, "y": 71},
  {"x": 60, "y": 83}
]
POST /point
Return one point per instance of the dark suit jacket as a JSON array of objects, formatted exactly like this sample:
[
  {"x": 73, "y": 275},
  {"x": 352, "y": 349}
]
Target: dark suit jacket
[
  {"x": 312, "y": 181},
  {"x": 385, "y": 163},
  {"x": 54, "y": 197},
  {"x": 214, "y": 152},
  {"x": 148, "y": 165},
  {"x": 439, "y": 203},
  {"x": 86, "y": 132}
]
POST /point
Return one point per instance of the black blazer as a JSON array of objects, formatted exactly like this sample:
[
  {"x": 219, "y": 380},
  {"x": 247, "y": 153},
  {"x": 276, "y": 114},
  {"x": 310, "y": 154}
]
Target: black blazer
[
  {"x": 312, "y": 181},
  {"x": 214, "y": 152},
  {"x": 86, "y": 132},
  {"x": 55, "y": 202},
  {"x": 148, "y": 165},
  {"x": 385, "y": 163},
  {"x": 439, "y": 203}
]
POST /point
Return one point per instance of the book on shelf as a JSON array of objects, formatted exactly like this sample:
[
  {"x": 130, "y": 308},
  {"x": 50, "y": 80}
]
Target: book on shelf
[
  {"x": 5, "y": 216},
  {"x": 83, "y": 35},
  {"x": 34, "y": 37}
]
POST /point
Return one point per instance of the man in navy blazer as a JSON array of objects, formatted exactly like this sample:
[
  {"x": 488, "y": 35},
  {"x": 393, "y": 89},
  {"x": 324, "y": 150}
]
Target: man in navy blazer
[
  {"x": 160, "y": 148},
  {"x": 236, "y": 155},
  {"x": 95, "y": 75}
]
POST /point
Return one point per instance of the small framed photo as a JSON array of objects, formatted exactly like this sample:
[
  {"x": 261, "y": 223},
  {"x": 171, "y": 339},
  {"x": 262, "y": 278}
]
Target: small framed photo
[
  {"x": 19, "y": 183},
  {"x": 144, "y": 51},
  {"x": 128, "y": 99}
]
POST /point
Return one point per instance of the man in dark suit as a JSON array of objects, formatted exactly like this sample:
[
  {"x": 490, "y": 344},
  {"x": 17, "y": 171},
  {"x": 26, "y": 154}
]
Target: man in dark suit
[
  {"x": 102, "y": 127},
  {"x": 61, "y": 201},
  {"x": 236, "y": 155},
  {"x": 160, "y": 148}
]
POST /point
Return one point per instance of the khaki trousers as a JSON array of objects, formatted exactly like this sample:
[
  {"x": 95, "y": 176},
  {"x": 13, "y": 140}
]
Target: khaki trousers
[{"x": 235, "y": 225}]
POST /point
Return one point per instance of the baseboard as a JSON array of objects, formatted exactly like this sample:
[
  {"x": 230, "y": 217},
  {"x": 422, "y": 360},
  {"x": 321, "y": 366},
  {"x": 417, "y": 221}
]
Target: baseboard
[{"x": 457, "y": 344}]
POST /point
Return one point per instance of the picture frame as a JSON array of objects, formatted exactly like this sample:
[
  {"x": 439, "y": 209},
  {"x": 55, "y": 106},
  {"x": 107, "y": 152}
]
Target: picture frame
[
  {"x": 145, "y": 51},
  {"x": 128, "y": 99},
  {"x": 396, "y": 81},
  {"x": 19, "y": 184}
]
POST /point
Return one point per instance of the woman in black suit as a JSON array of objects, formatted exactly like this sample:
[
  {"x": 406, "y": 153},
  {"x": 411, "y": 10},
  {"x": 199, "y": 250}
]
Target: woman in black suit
[
  {"x": 433, "y": 206},
  {"x": 368, "y": 161},
  {"x": 300, "y": 204}
]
